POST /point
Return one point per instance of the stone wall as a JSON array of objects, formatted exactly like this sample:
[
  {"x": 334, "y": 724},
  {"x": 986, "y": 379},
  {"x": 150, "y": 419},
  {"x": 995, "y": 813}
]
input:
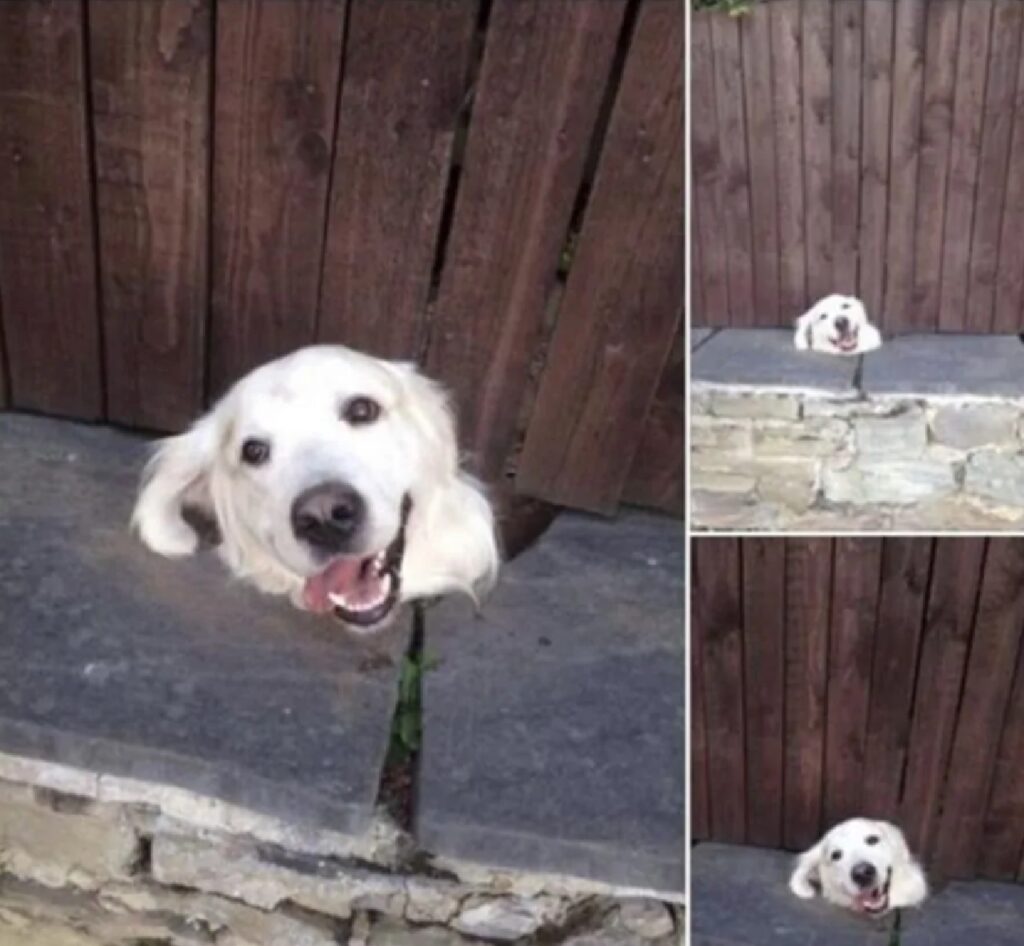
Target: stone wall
[
  {"x": 852, "y": 451},
  {"x": 89, "y": 860}
]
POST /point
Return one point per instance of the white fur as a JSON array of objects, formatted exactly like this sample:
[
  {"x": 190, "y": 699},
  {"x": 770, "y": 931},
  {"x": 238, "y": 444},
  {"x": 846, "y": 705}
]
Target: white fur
[
  {"x": 295, "y": 404},
  {"x": 825, "y": 868},
  {"x": 816, "y": 329}
]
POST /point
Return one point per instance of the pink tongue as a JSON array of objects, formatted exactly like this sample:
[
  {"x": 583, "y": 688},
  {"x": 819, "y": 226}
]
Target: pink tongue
[{"x": 340, "y": 578}]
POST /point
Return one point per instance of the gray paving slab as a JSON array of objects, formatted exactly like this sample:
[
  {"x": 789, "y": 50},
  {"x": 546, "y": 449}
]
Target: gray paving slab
[
  {"x": 978, "y": 912},
  {"x": 554, "y": 722},
  {"x": 982, "y": 365},
  {"x": 767, "y": 358},
  {"x": 119, "y": 661},
  {"x": 698, "y": 336},
  {"x": 740, "y": 896}
]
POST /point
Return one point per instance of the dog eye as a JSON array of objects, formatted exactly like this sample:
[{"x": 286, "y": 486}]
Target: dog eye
[
  {"x": 361, "y": 410},
  {"x": 836, "y": 855},
  {"x": 823, "y": 316},
  {"x": 871, "y": 840},
  {"x": 255, "y": 452}
]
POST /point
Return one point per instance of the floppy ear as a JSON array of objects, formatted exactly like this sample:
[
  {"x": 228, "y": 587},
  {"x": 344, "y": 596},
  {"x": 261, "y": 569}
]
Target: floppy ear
[
  {"x": 909, "y": 886},
  {"x": 805, "y": 880},
  {"x": 174, "y": 512},
  {"x": 452, "y": 545},
  {"x": 802, "y": 338},
  {"x": 870, "y": 338}
]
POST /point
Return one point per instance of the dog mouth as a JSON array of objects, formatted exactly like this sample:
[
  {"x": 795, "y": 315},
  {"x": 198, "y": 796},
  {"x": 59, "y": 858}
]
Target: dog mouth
[
  {"x": 361, "y": 591},
  {"x": 874, "y": 901},
  {"x": 845, "y": 342}
]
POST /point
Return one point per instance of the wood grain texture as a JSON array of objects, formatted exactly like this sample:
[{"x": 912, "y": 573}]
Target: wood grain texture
[
  {"x": 1009, "y": 292},
  {"x": 718, "y": 623},
  {"x": 847, "y": 70},
  {"x": 150, "y": 74},
  {"x": 808, "y": 598},
  {"x": 403, "y": 88},
  {"x": 277, "y": 67},
  {"x": 544, "y": 71},
  {"x": 624, "y": 296},
  {"x": 764, "y": 674},
  {"x": 47, "y": 242},
  {"x": 700, "y": 795}
]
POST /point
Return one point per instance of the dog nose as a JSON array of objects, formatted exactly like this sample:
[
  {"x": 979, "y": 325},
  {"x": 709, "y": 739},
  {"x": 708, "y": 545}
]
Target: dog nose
[
  {"x": 864, "y": 874},
  {"x": 842, "y": 323},
  {"x": 327, "y": 516}
]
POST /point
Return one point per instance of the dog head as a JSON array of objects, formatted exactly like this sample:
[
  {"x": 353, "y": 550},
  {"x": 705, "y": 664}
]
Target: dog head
[
  {"x": 330, "y": 476},
  {"x": 861, "y": 865},
  {"x": 837, "y": 325}
]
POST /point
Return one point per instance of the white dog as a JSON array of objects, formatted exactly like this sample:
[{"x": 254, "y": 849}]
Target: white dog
[
  {"x": 837, "y": 325},
  {"x": 329, "y": 476},
  {"x": 861, "y": 865}
]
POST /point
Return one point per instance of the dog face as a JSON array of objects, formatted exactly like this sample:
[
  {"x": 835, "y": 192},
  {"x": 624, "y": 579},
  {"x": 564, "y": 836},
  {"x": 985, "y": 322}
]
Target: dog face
[
  {"x": 330, "y": 476},
  {"x": 861, "y": 865},
  {"x": 837, "y": 325}
]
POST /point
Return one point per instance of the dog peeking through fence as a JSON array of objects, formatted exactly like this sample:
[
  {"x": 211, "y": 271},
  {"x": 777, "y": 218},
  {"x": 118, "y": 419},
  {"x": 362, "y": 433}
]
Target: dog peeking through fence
[
  {"x": 836, "y": 325},
  {"x": 331, "y": 477}
]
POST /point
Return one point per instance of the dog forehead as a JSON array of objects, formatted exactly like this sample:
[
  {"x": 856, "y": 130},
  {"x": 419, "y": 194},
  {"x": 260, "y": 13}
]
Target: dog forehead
[{"x": 853, "y": 831}]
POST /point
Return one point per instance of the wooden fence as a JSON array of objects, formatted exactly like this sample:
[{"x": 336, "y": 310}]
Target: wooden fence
[
  {"x": 839, "y": 677},
  {"x": 873, "y": 147},
  {"x": 493, "y": 189}
]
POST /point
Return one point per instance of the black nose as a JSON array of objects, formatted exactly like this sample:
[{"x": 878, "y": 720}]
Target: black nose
[
  {"x": 864, "y": 874},
  {"x": 327, "y": 516},
  {"x": 842, "y": 323}
]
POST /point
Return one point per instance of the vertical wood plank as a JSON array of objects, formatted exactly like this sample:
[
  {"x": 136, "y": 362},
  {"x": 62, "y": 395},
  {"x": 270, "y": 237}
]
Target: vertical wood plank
[
  {"x": 708, "y": 235},
  {"x": 817, "y": 117},
  {"x": 1002, "y": 844},
  {"x": 276, "y": 88},
  {"x": 987, "y": 687},
  {"x": 700, "y": 802},
  {"x": 907, "y": 109},
  {"x": 764, "y": 610},
  {"x": 624, "y": 295},
  {"x": 874, "y": 155},
  {"x": 945, "y": 641},
  {"x": 47, "y": 244},
  {"x": 941, "y": 42},
  {"x": 787, "y": 91},
  {"x": 544, "y": 71},
  {"x": 965, "y": 150},
  {"x": 847, "y": 65},
  {"x": 404, "y": 82},
  {"x": 808, "y": 609},
  {"x": 993, "y": 165},
  {"x": 760, "y": 121},
  {"x": 735, "y": 222},
  {"x": 906, "y": 565},
  {"x": 718, "y": 622},
  {"x": 854, "y": 611},
  {"x": 150, "y": 70}
]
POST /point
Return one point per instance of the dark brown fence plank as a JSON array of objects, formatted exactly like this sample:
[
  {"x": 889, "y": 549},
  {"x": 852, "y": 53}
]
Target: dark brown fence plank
[
  {"x": 905, "y": 568},
  {"x": 808, "y": 597},
  {"x": 983, "y": 706},
  {"x": 1003, "y": 832},
  {"x": 764, "y": 610},
  {"x": 907, "y": 98},
  {"x": 544, "y": 70},
  {"x": 404, "y": 82},
  {"x": 1010, "y": 273},
  {"x": 945, "y": 641},
  {"x": 708, "y": 235},
  {"x": 735, "y": 178},
  {"x": 997, "y": 119},
  {"x": 700, "y": 802},
  {"x": 847, "y": 66},
  {"x": 718, "y": 621},
  {"x": 855, "y": 592},
  {"x": 941, "y": 42},
  {"x": 816, "y": 64},
  {"x": 874, "y": 154},
  {"x": 965, "y": 150},
  {"x": 656, "y": 478},
  {"x": 276, "y": 89},
  {"x": 787, "y": 89},
  {"x": 47, "y": 246},
  {"x": 755, "y": 34},
  {"x": 150, "y": 66},
  {"x": 624, "y": 295}
]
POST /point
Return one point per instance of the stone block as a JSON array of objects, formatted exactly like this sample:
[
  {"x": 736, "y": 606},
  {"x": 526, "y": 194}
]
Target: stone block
[
  {"x": 717, "y": 480},
  {"x": 969, "y": 426},
  {"x": 393, "y": 933},
  {"x": 895, "y": 481},
  {"x": 755, "y": 405},
  {"x": 721, "y": 436},
  {"x": 899, "y": 435},
  {"x": 508, "y": 919},
  {"x": 996, "y": 476},
  {"x": 818, "y": 437},
  {"x": 981, "y": 912}
]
